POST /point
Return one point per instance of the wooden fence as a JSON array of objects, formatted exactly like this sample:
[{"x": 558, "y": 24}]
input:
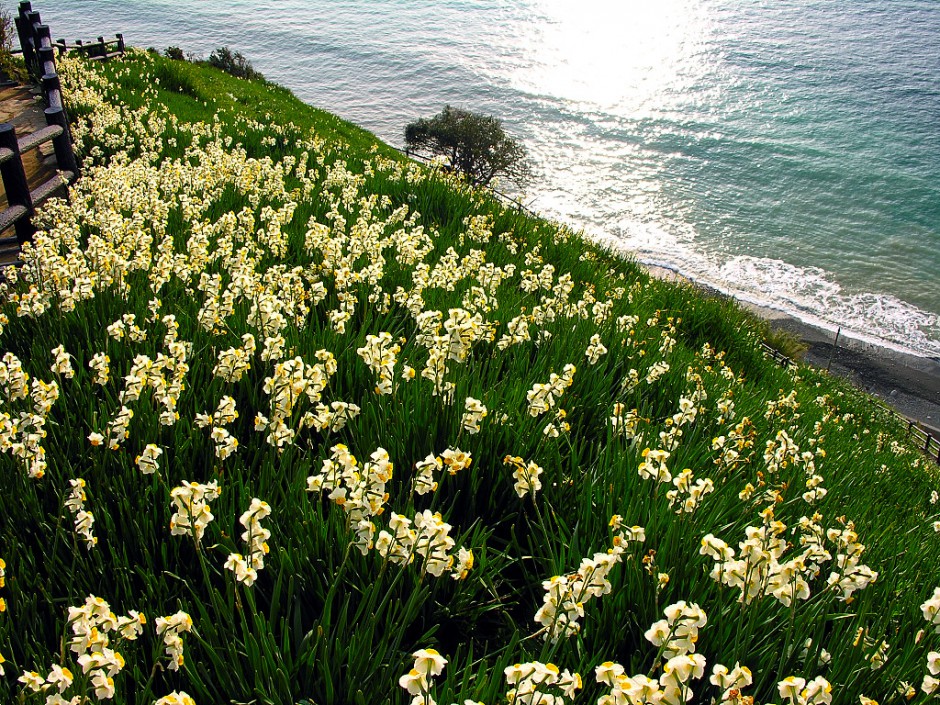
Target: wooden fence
[
  {"x": 22, "y": 200},
  {"x": 927, "y": 443},
  {"x": 101, "y": 50},
  {"x": 39, "y": 53}
]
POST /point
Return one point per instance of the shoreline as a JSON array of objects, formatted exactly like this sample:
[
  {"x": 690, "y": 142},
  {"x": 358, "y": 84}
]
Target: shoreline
[{"x": 908, "y": 383}]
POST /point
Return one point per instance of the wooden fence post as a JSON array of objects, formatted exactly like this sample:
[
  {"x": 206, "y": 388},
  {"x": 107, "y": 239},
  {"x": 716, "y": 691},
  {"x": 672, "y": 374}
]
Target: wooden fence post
[
  {"x": 32, "y": 20},
  {"x": 25, "y": 33},
  {"x": 64, "y": 153},
  {"x": 46, "y": 61},
  {"x": 45, "y": 49},
  {"x": 14, "y": 181},
  {"x": 52, "y": 88},
  {"x": 44, "y": 35},
  {"x": 120, "y": 38}
]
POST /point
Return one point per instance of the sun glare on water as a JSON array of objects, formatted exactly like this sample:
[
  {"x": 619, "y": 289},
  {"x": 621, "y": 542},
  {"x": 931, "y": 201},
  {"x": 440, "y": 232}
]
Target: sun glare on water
[{"x": 621, "y": 56}]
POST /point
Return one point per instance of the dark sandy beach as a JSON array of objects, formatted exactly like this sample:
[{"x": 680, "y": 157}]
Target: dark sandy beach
[{"x": 909, "y": 383}]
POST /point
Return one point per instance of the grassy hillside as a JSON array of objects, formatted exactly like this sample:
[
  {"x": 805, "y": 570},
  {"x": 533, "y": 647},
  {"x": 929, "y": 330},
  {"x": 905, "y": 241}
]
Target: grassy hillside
[{"x": 287, "y": 418}]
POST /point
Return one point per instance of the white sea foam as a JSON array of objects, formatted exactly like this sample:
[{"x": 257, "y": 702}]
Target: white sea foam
[{"x": 809, "y": 294}]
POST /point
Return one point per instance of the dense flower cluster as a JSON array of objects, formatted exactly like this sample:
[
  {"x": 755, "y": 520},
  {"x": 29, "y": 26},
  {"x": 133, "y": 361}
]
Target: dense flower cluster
[
  {"x": 427, "y": 536},
  {"x": 256, "y": 538},
  {"x": 91, "y": 625},
  {"x": 543, "y": 397},
  {"x": 359, "y": 491},
  {"x": 170, "y": 629},
  {"x": 675, "y": 637},
  {"x": 191, "y": 503},
  {"x": 759, "y": 570},
  {"x": 565, "y": 595},
  {"x": 380, "y": 354}
]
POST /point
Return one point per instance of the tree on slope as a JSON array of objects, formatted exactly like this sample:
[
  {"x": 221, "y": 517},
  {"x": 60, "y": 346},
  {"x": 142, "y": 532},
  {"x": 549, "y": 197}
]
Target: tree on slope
[{"x": 474, "y": 145}]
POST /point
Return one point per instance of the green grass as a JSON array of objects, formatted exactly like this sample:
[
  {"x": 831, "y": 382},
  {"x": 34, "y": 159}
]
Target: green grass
[{"x": 183, "y": 178}]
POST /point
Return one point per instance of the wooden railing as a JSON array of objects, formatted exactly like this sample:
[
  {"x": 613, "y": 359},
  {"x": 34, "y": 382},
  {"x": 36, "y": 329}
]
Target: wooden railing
[
  {"x": 39, "y": 51},
  {"x": 927, "y": 443},
  {"x": 777, "y": 356},
  {"x": 101, "y": 50},
  {"x": 21, "y": 199},
  {"x": 39, "y": 55}
]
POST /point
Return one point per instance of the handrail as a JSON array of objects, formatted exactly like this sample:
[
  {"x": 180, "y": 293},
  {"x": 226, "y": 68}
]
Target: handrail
[
  {"x": 39, "y": 54},
  {"x": 51, "y": 185},
  {"x": 94, "y": 50},
  {"x": 9, "y": 216},
  {"x": 39, "y": 137}
]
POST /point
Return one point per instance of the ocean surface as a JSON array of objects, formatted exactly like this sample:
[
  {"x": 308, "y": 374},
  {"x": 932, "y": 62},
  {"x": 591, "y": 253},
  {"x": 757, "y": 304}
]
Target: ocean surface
[{"x": 783, "y": 151}]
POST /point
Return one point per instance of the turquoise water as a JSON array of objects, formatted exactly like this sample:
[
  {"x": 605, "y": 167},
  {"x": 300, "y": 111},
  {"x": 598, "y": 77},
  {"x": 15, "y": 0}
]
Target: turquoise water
[{"x": 787, "y": 152}]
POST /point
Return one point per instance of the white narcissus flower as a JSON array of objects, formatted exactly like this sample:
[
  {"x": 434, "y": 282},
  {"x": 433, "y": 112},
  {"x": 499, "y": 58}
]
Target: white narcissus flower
[
  {"x": 474, "y": 412},
  {"x": 63, "y": 363},
  {"x": 244, "y": 573},
  {"x": 103, "y": 685},
  {"x": 735, "y": 679},
  {"x": 60, "y": 678},
  {"x": 429, "y": 662},
  {"x": 608, "y": 673},
  {"x": 32, "y": 680},
  {"x": 191, "y": 501},
  {"x": 456, "y": 460},
  {"x": 414, "y": 682},
  {"x": 931, "y": 610},
  {"x": 933, "y": 663},
  {"x": 595, "y": 350},
  {"x": 148, "y": 460},
  {"x": 176, "y": 698},
  {"x": 790, "y": 687},
  {"x": 256, "y": 537},
  {"x": 170, "y": 629},
  {"x": 464, "y": 563}
]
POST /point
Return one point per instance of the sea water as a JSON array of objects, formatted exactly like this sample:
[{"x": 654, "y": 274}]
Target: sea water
[{"x": 783, "y": 151}]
